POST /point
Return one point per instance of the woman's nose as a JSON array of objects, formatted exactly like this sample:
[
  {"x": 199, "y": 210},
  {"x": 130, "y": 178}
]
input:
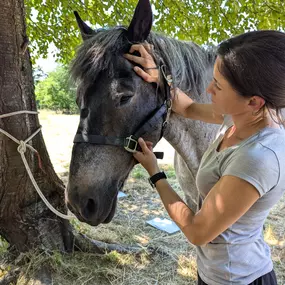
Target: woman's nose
[{"x": 209, "y": 89}]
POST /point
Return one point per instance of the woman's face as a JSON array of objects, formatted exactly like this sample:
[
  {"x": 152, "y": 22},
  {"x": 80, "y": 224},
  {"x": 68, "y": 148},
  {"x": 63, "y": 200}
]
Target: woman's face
[{"x": 225, "y": 99}]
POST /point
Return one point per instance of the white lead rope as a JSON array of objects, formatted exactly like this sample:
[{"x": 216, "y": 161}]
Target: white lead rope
[{"x": 22, "y": 149}]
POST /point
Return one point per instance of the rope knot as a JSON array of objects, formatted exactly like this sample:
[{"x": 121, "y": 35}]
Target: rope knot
[{"x": 22, "y": 147}]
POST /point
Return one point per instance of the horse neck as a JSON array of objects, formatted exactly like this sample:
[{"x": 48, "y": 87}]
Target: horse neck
[{"x": 191, "y": 138}]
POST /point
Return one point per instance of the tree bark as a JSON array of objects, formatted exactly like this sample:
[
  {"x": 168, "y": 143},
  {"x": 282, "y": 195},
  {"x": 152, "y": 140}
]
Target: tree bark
[{"x": 25, "y": 221}]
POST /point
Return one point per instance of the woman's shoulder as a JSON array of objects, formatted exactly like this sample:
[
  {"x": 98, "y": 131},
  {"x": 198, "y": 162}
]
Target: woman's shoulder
[
  {"x": 264, "y": 150},
  {"x": 267, "y": 146},
  {"x": 272, "y": 139},
  {"x": 259, "y": 160}
]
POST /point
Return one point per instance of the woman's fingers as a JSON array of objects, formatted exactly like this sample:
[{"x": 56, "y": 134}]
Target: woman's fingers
[
  {"x": 149, "y": 48},
  {"x": 149, "y": 71},
  {"x": 146, "y": 156},
  {"x": 143, "y": 155},
  {"x": 144, "y": 75},
  {"x": 137, "y": 59},
  {"x": 143, "y": 146},
  {"x": 149, "y": 145},
  {"x": 142, "y": 49},
  {"x": 144, "y": 62}
]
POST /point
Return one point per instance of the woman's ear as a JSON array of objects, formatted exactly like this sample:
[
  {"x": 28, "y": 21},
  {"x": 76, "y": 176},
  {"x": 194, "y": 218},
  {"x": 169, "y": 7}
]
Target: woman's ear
[{"x": 256, "y": 103}]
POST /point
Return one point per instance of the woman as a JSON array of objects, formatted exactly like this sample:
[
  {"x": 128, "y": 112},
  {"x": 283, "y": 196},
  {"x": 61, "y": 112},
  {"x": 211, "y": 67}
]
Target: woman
[{"x": 242, "y": 174}]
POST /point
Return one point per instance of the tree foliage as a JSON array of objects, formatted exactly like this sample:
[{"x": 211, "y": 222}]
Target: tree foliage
[
  {"x": 204, "y": 22},
  {"x": 55, "y": 91}
]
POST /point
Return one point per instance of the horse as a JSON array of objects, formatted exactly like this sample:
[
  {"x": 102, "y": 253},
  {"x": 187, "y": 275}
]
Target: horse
[{"x": 115, "y": 103}]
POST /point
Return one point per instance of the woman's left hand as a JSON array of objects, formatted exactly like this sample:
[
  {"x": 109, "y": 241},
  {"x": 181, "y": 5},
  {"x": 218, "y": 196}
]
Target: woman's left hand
[
  {"x": 146, "y": 157},
  {"x": 150, "y": 72}
]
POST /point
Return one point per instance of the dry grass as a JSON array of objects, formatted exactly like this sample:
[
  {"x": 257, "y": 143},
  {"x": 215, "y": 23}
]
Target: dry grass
[{"x": 128, "y": 227}]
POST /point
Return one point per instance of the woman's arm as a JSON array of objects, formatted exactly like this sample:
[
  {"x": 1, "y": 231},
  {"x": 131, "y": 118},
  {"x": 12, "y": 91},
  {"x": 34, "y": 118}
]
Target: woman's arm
[
  {"x": 186, "y": 107},
  {"x": 182, "y": 104},
  {"x": 227, "y": 201}
]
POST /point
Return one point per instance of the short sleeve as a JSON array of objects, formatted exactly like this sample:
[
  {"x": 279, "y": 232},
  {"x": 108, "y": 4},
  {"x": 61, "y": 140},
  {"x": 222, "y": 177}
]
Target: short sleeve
[{"x": 257, "y": 165}]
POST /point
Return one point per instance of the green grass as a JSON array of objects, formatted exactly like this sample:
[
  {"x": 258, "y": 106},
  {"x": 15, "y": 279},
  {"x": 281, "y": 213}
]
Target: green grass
[
  {"x": 3, "y": 246},
  {"x": 139, "y": 172}
]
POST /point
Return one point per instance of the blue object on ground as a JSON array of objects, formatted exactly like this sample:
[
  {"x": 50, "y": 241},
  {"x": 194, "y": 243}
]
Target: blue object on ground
[
  {"x": 164, "y": 225},
  {"x": 121, "y": 194}
]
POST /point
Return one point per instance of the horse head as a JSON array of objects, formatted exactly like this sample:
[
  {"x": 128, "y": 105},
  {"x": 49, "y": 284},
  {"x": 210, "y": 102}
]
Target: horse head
[{"x": 114, "y": 103}]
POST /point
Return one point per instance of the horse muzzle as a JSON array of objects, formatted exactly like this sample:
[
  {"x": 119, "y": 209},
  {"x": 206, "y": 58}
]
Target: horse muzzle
[{"x": 89, "y": 208}]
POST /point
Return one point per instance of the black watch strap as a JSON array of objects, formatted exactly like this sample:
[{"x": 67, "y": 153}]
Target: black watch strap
[{"x": 153, "y": 179}]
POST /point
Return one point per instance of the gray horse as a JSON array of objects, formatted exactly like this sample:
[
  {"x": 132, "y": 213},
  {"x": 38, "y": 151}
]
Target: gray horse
[{"x": 115, "y": 103}]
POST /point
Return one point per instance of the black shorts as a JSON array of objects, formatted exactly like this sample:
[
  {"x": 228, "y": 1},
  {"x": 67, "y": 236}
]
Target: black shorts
[{"x": 267, "y": 279}]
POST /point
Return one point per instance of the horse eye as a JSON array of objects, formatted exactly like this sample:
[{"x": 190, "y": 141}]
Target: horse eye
[{"x": 125, "y": 99}]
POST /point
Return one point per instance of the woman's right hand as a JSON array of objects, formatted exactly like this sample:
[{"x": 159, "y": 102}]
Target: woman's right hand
[{"x": 150, "y": 71}]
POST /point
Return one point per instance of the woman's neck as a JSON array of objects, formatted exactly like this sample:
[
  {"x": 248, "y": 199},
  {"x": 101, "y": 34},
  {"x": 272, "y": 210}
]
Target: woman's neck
[{"x": 248, "y": 124}]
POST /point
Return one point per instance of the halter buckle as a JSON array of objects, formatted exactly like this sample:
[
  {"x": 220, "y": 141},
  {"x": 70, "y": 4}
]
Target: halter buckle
[{"x": 130, "y": 144}]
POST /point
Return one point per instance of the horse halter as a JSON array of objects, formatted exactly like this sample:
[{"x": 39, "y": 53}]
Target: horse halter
[{"x": 130, "y": 143}]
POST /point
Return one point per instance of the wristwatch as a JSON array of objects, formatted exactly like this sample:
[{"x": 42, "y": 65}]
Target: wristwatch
[{"x": 153, "y": 179}]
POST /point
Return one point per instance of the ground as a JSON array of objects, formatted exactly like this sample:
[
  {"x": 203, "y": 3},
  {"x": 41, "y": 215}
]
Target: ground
[{"x": 177, "y": 266}]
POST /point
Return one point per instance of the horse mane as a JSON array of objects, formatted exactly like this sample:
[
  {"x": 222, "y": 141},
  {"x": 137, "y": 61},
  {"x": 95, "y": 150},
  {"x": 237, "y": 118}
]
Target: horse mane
[{"x": 187, "y": 62}]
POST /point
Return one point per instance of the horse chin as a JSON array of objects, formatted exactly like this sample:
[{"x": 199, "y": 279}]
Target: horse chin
[{"x": 112, "y": 213}]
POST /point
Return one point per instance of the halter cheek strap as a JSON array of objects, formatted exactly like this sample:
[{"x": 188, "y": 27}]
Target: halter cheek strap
[{"x": 130, "y": 143}]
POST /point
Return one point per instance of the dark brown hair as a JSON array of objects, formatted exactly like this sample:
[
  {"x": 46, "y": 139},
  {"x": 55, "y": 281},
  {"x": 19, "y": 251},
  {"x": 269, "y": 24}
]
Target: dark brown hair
[{"x": 254, "y": 64}]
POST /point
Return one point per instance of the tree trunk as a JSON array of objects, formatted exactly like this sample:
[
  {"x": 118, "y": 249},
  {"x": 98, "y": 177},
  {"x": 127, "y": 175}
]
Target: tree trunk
[{"x": 25, "y": 221}]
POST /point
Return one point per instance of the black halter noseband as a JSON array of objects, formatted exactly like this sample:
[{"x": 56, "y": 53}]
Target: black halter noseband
[{"x": 130, "y": 143}]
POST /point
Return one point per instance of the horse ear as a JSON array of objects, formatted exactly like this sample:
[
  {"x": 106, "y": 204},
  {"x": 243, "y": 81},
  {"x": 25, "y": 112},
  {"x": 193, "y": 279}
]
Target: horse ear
[
  {"x": 141, "y": 23},
  {"x": 85, "y": 30}
]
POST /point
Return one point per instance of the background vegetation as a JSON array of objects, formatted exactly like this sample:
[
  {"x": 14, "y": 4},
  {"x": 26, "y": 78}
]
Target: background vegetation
[
  {"x": 208, "y": 21},
  {"x": 55, "y": 91},
  {"x": 51, "y": 23}
]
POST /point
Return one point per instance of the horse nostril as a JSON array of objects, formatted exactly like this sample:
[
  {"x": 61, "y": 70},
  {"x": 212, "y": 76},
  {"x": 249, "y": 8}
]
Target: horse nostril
[
  {"x": 90, "y": 205},
  {"x": 89, "y": 210}
]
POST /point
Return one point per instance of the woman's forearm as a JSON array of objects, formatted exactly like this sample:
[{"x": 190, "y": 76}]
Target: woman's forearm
[
  {"x": 178, "y": 211},
  {"x": 203, "y": 112},
  {"x": 186, "y": 107}
]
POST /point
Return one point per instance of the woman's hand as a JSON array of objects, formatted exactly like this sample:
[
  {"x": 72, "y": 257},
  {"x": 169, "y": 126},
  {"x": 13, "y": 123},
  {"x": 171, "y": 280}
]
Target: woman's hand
[
  {"x": 150, "y": 71},
  {"x": 146, "y": 157}
]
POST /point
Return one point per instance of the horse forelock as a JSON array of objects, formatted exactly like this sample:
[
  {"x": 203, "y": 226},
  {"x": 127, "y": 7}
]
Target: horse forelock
[
  {"x": 187, "y": 62},
  {"x": 95, "y": 55}
]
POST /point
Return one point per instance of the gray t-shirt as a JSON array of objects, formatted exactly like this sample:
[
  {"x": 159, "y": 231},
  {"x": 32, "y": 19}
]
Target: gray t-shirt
[{"x": 239, "y": 255}]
